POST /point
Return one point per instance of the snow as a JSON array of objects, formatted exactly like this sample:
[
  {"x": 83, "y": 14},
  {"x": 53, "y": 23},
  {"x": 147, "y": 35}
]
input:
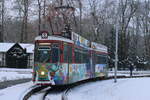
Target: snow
[
  {"x": 15, "y": 92},
  {"x": 54, "y": 38},
  {"x": 29, "y": 47},
  {"x": 127, "y": 73},
  {"x": 14, "y": 74},
  {"x": 15, "y": 70},
  {"x": 4, "y": 47},
  {"x": 124, "y": 89},
  {"x": 55, "y": 97}
]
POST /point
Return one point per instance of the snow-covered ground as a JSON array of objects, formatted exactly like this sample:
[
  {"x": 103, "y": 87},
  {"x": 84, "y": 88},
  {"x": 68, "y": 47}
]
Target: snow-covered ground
[
  {"x": 14, "y": 74},
  {"x": 15, "y": 92},
  {"x": 124, "y": 89},
  {"x": 127, "y": 73}
]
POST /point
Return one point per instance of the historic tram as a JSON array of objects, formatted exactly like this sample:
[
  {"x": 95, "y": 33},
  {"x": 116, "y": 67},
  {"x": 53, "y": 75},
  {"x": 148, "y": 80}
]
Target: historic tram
[{"x": 59, "y": 60}]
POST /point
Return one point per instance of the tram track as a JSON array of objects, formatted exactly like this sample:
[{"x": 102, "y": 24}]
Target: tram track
[
  {"x": 55, "y": 90},
  {"x": 65, "y": 89},
  {"x": 32, "y": 91}
]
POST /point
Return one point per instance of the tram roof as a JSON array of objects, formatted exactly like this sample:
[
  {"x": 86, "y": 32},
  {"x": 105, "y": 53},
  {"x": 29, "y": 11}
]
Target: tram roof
[
  {"x": 99, "y": 47},
  {"x": 59, "y": 38}
]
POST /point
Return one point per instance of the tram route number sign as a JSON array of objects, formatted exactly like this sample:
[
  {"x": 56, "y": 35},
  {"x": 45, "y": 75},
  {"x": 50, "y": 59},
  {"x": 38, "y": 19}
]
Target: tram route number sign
[{"x": 44, "y": 34}]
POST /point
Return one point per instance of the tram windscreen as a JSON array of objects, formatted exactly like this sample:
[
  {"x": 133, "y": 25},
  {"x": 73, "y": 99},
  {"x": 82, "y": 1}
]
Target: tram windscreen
[
  {"x": 42, "y": 55},
  {"x": 47, "y": 54}
]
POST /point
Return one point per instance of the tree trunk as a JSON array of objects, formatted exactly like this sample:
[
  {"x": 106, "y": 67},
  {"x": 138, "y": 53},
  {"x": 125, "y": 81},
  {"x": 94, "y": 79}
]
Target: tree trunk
[
  {"x": 2, "y": 24},
  {"x": 44, "y": 15},
  {"x": 39, "y": 25}
]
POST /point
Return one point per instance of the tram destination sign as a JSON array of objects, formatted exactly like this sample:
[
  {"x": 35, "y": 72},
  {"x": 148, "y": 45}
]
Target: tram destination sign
[{"x": 44, "y": 34}]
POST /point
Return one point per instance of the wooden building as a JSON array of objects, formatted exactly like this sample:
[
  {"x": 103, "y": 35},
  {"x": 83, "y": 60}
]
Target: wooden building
[{"x": 16, "y": 55}]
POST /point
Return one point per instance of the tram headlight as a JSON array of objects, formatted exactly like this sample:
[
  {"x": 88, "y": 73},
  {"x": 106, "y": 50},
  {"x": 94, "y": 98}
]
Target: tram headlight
[{"x": 42, "y": 73}]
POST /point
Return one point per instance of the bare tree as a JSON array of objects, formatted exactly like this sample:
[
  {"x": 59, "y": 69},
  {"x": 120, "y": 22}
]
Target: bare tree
[
  {"x": 80, "y": 18},
  {"x": 128, "y": 8},
  {"x": 23, "y": 5},
  {"x": 39, "y": 15},
  {"x": 2, "y": 21},
  {"x": 146, "y": 28}
]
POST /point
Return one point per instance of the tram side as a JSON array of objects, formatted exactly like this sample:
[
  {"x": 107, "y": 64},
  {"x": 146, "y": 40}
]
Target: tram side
[{"x": 60, "y": 61}]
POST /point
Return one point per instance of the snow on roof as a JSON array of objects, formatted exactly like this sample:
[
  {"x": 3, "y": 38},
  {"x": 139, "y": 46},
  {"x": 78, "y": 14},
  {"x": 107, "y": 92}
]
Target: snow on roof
[
  {"x": 4, "y": 47},
  {"x": 29, "y": 47}
]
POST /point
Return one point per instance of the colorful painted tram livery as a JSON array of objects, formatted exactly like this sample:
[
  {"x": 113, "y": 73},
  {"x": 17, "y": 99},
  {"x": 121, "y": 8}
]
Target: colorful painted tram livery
[{"x": 60, "y": 60}]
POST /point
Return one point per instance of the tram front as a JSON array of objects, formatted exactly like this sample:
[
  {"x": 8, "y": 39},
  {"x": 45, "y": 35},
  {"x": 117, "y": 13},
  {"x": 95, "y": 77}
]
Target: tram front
[{"x": 46, "y": 61}]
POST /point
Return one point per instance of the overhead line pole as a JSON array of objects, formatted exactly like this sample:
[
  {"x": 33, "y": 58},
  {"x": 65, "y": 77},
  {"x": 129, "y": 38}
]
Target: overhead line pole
[{"x": 116, "y": 52}]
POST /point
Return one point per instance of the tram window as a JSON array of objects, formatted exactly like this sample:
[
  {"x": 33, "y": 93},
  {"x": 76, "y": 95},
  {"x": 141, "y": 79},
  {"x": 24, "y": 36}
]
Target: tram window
[
  {"x": 77, "y": 56},
  {"x": 104, "y": 60},
  {"x": 67, "y": 53},
  {"x": 101, "y": 59},
  {"x": 70, "y": 53},
  {"x": 55, "y": 55},
  {"x": 81, "y": 56},
  {"x": 42, "y": 54},
  {"x": 47, "y": 54},
  {"x": 84, "y": 56},
  {"x": 55, "y": 52},
  {"x": 98, "y": 59}
]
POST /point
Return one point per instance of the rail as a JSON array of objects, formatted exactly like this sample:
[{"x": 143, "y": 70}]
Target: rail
[
  {"x": 34, "y": 89},
  {"x": 65, "y": 89}
]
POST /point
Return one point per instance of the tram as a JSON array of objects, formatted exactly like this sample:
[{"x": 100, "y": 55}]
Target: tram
[{"x": 59, "y": 60}]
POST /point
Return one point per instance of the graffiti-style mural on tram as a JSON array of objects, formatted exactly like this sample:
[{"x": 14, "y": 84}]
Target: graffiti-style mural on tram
[{"x": 59, "y": 60}]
